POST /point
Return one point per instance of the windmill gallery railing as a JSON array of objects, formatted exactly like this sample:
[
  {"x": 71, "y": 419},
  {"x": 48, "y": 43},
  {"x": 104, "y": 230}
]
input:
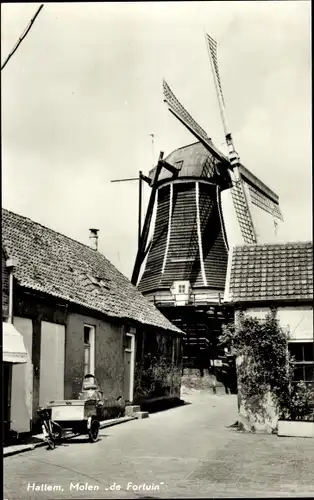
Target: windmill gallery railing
[{"x": 191, "y": 299}]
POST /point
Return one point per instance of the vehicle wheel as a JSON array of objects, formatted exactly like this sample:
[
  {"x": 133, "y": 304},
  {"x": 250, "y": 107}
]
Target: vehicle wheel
[
  {"x": 93, "y": 433},
  {"x": 58, "y": 437},
  {"x": 51, "y": 444}
]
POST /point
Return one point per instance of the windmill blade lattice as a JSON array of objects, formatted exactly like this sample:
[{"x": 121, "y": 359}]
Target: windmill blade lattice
[
  {"x": 237, "y": 191},
  {"x": 184, "y": 116}
]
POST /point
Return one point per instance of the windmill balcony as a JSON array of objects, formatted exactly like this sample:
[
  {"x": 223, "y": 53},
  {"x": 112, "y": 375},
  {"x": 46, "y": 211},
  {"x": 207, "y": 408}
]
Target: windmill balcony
[{"x": 202, "y": 298}]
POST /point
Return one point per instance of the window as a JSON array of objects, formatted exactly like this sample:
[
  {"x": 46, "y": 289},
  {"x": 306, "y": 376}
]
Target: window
[
  {"x": 303, "y": 353},
  {"x": 128, "y": 342},
  {"x": 89, "y": 350},
  {"x": 180, "y": 287}
]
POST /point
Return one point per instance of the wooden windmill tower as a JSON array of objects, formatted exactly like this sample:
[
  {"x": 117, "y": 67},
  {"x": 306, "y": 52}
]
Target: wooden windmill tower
[{"x": 206, "y": 203}]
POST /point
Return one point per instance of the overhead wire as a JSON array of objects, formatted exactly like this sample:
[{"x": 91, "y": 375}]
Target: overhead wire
[{"x": 24, "y": 34}]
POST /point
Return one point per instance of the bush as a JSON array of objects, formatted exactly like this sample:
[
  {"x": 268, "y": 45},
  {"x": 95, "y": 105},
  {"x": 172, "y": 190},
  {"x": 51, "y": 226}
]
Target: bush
[
  {"x": 266, "y": 367},
  {"x": 157, "y": 377},
  {"x": 301, "y": 404}
]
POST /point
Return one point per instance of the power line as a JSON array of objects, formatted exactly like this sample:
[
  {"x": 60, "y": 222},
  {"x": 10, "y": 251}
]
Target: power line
[{"x": 24, "y": 34}]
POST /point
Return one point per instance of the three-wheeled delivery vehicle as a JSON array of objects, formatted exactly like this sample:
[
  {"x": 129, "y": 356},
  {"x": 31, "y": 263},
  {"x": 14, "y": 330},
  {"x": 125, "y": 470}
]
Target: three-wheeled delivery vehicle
[{"x": 69, "y": 418}]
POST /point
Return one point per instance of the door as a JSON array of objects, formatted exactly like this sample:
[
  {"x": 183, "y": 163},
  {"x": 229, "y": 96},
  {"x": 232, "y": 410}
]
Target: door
[
  {"x": 7, "y": 372},
  {"x": 52, "y": 348},
  {"x": 22, "y": 381},
  {"x": 129, "y": 365}
]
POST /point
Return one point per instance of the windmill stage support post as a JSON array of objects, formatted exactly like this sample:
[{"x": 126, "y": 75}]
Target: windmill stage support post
[
  {"x": 140, "y": 193},
  {"x": 142, "y": 246},
  {"x": 145, "y": 231}
]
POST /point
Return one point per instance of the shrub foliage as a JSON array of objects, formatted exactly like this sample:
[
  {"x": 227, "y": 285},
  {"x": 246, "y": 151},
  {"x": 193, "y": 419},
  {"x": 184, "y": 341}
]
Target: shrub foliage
[
  {"x": 266, "y": 366},
  {"x": 157, "y": 377}
]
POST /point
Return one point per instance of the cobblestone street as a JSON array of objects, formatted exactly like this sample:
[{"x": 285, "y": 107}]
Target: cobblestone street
[{"x": 188, "y": 451}]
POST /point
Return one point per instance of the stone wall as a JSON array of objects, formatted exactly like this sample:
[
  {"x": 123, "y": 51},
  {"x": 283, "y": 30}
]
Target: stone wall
[{"x": 192, "y": 379}]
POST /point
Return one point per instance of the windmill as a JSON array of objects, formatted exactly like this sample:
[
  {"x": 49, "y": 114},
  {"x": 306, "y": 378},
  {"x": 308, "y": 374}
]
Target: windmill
[{"x": 206, "y": 203}]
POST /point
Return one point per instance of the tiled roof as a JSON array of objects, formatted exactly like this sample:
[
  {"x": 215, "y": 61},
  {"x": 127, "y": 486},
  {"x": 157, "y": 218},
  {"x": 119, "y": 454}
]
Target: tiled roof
[
  {"x": 52, "y": 263},
  {"x": 270, "y": 273}
]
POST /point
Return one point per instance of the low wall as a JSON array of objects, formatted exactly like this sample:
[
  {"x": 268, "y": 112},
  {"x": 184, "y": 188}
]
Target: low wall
[
  {"x": 159, "y": 404},
  {"x": 112, "y": 408},
  {"x": 264, "y": 421},
  {"x": 192, "y": 379}
]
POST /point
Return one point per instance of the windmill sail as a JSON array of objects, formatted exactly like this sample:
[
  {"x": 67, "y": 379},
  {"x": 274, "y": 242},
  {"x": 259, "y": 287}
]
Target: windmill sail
[
  {"x": 238, "y": 193},
  {"x": 176, "y": 108},
  {"x": 212, "y": 46},
  {"x": 243, "y": 215}
]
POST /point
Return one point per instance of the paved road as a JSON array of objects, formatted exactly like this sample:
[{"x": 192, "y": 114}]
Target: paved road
[{"x": 185, "y": 452}]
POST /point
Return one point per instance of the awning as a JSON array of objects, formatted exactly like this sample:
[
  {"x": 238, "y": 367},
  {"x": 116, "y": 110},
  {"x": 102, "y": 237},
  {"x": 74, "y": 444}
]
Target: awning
[{"x": 13, "y": 350}]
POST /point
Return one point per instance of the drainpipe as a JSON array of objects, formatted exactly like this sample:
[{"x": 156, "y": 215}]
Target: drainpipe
[{"x": 10, "y": 264}]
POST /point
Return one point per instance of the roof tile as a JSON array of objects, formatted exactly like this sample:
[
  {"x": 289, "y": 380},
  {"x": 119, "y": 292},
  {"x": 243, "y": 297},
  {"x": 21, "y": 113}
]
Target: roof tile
[
  {"x": 52, "y": 263},
  {"x": 268, "y": 272}
]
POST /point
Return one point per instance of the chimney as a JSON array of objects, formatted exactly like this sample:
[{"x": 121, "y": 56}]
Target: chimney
[{"x": 93, "y": 238}]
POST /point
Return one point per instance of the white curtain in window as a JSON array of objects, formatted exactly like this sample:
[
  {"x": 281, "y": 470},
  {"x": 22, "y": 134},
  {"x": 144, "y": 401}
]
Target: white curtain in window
[{"x": 86, "y": 359}]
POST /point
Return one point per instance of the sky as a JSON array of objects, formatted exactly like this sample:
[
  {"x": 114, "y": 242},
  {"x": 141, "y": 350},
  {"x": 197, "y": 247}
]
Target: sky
[{"x": 83, "y": 93}]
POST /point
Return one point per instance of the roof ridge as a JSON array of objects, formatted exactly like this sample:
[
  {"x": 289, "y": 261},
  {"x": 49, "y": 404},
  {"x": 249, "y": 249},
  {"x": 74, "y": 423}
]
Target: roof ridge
[
  {"x": 183, "y": 147},
  {"x": 297, "y": 242}
]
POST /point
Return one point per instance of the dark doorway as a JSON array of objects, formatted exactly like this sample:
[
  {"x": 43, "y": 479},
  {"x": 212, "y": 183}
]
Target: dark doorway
[{"x": 7, "y": 378}]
